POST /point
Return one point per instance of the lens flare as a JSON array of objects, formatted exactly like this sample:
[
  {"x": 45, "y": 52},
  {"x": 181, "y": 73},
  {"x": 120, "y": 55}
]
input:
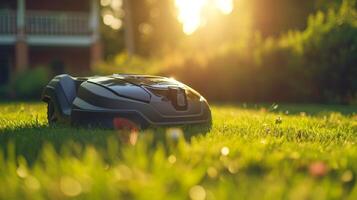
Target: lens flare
[
  {"x": 225, "y": 6},
  {"x": 190, "y": 13}
]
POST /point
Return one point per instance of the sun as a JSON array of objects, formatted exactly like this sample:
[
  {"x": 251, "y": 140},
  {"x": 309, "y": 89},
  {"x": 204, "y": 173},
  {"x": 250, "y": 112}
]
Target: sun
[{"x": 190, "y": 12}]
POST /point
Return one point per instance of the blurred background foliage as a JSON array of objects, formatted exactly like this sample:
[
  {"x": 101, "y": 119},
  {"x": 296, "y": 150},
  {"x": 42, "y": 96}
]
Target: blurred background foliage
[
  {"x": 273, "y": 50},
  {"x": 256, "y": 51}
]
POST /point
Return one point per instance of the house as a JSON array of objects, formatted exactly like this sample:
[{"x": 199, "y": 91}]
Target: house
[{"x": 57, "y": 34}]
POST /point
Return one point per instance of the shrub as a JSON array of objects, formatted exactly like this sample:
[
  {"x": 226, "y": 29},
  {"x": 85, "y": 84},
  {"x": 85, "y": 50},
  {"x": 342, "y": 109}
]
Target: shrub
[
  {"x": 327, "y": 51},
  {"x": 29, "y": 84},
  {"x": 123, "y": 63}
]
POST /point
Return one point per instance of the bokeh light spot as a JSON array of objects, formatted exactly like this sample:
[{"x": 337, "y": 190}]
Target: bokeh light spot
[
  {"x": 70, "y": 186},
  {"x": 212, "y": 172},
  {"x": 347, "y": 176},
  {"x": 105, "y": 2},
  {"x": 197, "y": 192},
  {"x": 174, "y": 133},
  {"x": 171, "y": 159},
  {"x": 225, "y": 151}
]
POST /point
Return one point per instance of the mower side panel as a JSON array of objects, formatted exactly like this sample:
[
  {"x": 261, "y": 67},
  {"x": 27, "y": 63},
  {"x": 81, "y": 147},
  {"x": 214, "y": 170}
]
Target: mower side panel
[{"x": 55, "y": 93}]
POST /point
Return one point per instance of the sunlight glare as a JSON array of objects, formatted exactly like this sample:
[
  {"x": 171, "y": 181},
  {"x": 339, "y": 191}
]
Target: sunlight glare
[
  {"x": 190, "y": 12},
  {"x": 225, "y": 6}
]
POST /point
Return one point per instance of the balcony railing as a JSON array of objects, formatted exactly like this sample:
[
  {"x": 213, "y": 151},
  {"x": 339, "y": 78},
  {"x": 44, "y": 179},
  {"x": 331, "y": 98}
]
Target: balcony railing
[
  {"x": 57, "y": 23},
  {"x": 7, "y": 22},
  {"x": 47, "y": 23}
]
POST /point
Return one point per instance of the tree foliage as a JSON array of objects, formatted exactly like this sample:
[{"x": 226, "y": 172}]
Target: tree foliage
[{"x": 233, "y": 61}]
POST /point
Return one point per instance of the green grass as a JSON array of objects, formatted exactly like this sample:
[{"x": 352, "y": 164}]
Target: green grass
[{"x": 251, "y": 152}]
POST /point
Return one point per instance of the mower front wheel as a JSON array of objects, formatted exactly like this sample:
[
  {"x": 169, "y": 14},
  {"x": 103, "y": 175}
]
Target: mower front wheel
[{"x": 51, "y": 114}]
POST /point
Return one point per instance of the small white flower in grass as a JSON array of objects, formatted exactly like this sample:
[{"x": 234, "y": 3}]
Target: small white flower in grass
[
  {"x": 225, "y": 151},
  {"x": 197, "y": 192}
]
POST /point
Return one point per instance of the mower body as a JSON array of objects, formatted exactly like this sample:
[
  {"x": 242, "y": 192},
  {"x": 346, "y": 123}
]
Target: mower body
[{"x": 142, "y": 99}]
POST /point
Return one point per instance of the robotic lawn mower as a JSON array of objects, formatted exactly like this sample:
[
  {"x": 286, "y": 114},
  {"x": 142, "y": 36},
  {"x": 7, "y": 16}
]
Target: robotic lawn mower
[{"x": 142, "y": 100}]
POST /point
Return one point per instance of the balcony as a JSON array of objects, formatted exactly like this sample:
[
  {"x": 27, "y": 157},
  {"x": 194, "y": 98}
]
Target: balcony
[
  {"x": 48, "y": 27},
  {"x": 7, "y": 23},
  {"x": 57, "y": 23}
]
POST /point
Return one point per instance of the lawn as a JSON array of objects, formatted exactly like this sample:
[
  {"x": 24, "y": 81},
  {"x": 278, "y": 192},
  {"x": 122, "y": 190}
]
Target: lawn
[{"x": 251, "y": 152}]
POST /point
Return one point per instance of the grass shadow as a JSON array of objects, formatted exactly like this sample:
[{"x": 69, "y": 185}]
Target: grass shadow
[{"x": 29, "y": 141}]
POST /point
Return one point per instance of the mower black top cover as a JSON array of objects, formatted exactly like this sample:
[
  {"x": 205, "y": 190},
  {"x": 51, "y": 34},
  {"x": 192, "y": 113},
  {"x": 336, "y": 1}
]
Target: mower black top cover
[{"x": 142, "y": 99}]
